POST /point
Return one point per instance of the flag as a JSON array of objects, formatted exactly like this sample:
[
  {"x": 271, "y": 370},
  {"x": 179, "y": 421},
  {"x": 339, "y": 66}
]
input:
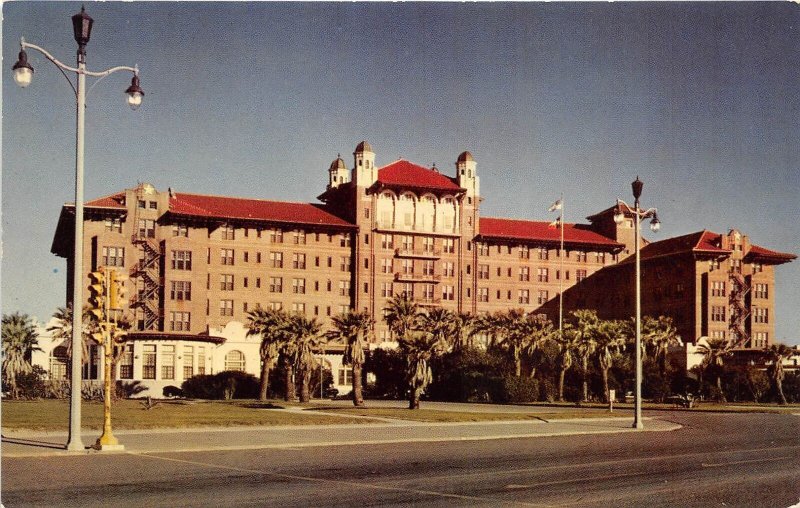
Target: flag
[
  {"x": 555, "y": 206},
  {"x": 555, "y": 224}
]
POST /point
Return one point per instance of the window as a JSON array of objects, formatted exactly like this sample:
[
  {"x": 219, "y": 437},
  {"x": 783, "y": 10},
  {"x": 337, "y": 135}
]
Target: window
[
  {"x": 276, "y": 284},
  {"x": 543, "y": 253},
  {"x": 386, "y": 265},
  {"x": 524, "y": 296},
  {"x": 736, "y": 265},
  {"x": 180, "y": 290},
  {"x": 141, "y": 203},
  {"x": 188, "y": 362},
  {"x": 581, "y": 256},
  {"x": 482, "y": 248},
  {"x": 113, "y": 256},
  {"x": 181, "y": 260},
  {"x": 387, "y": 242},
  {"x": 760, "y": 291},
  {"x": 125, "y": 363},
  {"x": 758, "y": 268},
  {"x": 580, "y": 275},
  {"x": 427, "y": 244},
  {"x": 427, "y": 292},
  {"x": 408, "y": 242},
  {"x": 344, "y": 288},
  {"x": 226, "y": 307},
  {"x": 717, "y": 313},
  {"x": 113, "y": 225},
  {"x": 524, "y": 274},
  {"x": 524, "y": 252},
  {"x": 227, "y": 232},
  {"x": 258, "y": 282},
  {"x": 298, "y": 308},
  {"x": 483, "y": 271},
  {"x": 226, "y": 282},
  {"x": 149, "y": 361},
  {"x": 386, "y": 289},
  {"x": 543, "y": 296},
  {"x": 760, "y": 315},
  {"x": 180, "y": 230},
  {"x": 542, "y": 275},
  {"x": 299, "y": 261},
  {"x": 168, "y": 361},
  {"x": 427, "y": 268},
  {"x": 448, "y": 293},
  {"x": 201, "y": 360},
  {"x": 718, "y": 334},
  {"x": 344, "y": 263},
  {"x": 345, "y": 375},
  {"x": 717, "y": 288},
  {"x": 760, "y": 339},
  {"x": 448, "y": 269},
  {"x": 299, "y": 286},
  {"x": 344, "y": 240},
  {"x": 299, "y": 237},
  {"x": 234, "y": 360},
  {"x": 275, "y": 306},
  {"x": 366, "y": 213},
  {"x": 713, "y": 265},
  {"x": 276, "y": 236},
  {"x": 483, "y": 294},
  {"x": 153, "y": 205},
  {"x": 246, "y": 256},
  {"x": 276, "y": 259},
  {"x": 226, "y": 256},
  {"x": 407, "y": 290},
  {"x": 408, "y": 266},
  {"x": 449, "y": 245},
  {"x": 258, "y": 257},
  {"x": 244, "y": 282}
]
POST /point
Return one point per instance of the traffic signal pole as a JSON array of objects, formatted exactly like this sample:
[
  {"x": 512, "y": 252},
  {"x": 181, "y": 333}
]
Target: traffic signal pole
[{"x": 107, "y": 335}]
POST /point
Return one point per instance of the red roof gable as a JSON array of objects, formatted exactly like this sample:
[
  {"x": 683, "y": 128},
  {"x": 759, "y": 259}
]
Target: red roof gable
[
  {"x": 700, "y": 241},
  {"x": 406, "y": 174},
  {"x": 541, "y": 231},
  {"x": 757, "y": 252},
  {"x": 111, "y": 201},
  {"x": 224, "y": 207}
]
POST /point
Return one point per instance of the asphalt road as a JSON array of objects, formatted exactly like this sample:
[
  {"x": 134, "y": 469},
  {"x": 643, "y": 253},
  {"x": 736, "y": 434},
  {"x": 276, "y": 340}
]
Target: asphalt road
[{"x": 715, "y": 460}]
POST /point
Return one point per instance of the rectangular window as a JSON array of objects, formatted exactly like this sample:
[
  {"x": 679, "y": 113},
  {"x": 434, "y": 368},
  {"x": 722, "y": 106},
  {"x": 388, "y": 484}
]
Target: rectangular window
[
  {"x": 387, "y": 242},
  {"x": 147, "y": 228},
  {"x": 427, "y": 268},
  {"x": 246, "y": 256},
  {"x": 427, "y": 292},
  {"x": 482, "y": 248},
  {"x": 408, "y": 266},
  {"x": 227, "y": 232},
  {"x": 181, "y": 260},
  {"x": 760, "y": 339},
  {"x": 226, "y": 282},
  {"x": 153, "y": 205},
  {"x": 226, "y": 256},
  {"x": 483, "y": 271},
  {"x": 407, "y": 290},
  {"x": 449, "y": 245},
  {"x": 542, "y": 275},
  {"x": 276, "y": 284},
  {"x": 736, "y": 265},
  {"x": 483, "y": 294},
  {"x": 524, "y": 252},
  {"x": 344, "y": 288},
  {"x": 427, "y": 244},
  {"x": 276, "y": 236},
  {"x": 713, "y": 265},
  {"x": 298, "y": 308},
  {"x": 580, "y": 275},
  {"x": 386, "y": 265},
  {"x": 524, "y": 296},
  {"x": 258, "y": 257},
  {"x": 180, "y": 290},
  {"x": 113, "y": 225},
  {"x": 543, "y": 253},
  {"x": 226, "y": 307},
  {"x": 141, "y": 203},
  {"x": 180, "y": 230},
  {"x": 408, "y": 242},
  {"x": 276, "y": 259},
  {"x": 581, "y": 256},
  {"x": 761, "y": 291},
  {"x": 717, "y": 288},
  {"x": 188, "y": 362},
  {"x": 149, "y": 361},
  {"x": 718, "y": 313},
  {"x": 113, "y": 256},
  {"x": 600, "y": 257},
  {"x": 386, "y": 289},
  {"x": 201, "y": 360},
  {"x": 448, "y": 293},
  {"x": 758, "y": 268},
  {"x": 543, "y": 297},
  {"x": 299, "y": 261},
  {"x": 299, "y": 286},
  {"x": 524, "y": 274},
  {"x": 344, "y": 263},
  {"x": 125, "y": 363},
  {"x": 344, "y": 240},
  {"x": 760, "y": 315},
  {"x": 299, "y": 237},
  {"x": 448, "y": 269},
  {"x": 168, "y": 361}
]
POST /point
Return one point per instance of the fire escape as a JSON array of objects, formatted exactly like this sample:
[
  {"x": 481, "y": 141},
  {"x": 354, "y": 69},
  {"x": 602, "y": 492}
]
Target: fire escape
[
  {"x": 739, "y": 311},
  {"x": 147, "y": 274}
]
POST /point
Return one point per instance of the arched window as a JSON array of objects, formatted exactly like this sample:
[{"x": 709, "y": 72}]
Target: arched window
[
  {"x": 234, "y": 360},
  {"x": 58, "y": 363}
]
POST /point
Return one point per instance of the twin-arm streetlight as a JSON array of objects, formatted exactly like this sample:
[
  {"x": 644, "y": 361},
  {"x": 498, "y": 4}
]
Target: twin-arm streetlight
[
  {"x": 638, "y": 216},
  {"x": 23, "y": 75}
]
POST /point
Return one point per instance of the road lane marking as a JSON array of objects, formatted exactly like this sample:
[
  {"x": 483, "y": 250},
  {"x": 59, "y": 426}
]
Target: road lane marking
[
  {"x": 493, "y": 501},
  {"x": 751, "y": 461},
  {"x": 581, "y": 479}
]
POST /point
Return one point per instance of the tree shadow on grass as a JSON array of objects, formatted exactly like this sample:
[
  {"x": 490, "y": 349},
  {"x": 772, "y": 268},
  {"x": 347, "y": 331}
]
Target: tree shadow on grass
[{"x": 262, "y": 405}]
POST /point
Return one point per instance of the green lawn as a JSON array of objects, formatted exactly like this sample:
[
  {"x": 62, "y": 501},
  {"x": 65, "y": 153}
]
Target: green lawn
[
  {"x": 53, "y": 415},
  {"x": 433, "y": 415}
]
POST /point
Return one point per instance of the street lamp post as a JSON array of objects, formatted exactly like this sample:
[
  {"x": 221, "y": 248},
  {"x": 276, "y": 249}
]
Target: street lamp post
[
  {"x": 23, "y": 75},
  {"x": 638, "y": 216}
]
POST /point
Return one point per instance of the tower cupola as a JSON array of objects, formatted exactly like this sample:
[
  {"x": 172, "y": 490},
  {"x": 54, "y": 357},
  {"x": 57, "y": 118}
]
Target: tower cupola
[
  {"x": 467, "y": 175},
  {"x": 364, "y": 172},
  {"x": 338, "y": 173}
]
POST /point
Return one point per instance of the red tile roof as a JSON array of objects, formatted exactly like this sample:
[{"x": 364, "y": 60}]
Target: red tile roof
[
  {"x": 111, "y": 201},
  {"x": 766, "y": 254},
  {"x": 541, "y": 231},
  {"x": 224, "y": 207},
  {"x": 406, "y": 174}
]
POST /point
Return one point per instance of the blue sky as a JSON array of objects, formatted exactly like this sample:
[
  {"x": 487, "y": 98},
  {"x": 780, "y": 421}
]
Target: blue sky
[{"x": 255, "y": 99}]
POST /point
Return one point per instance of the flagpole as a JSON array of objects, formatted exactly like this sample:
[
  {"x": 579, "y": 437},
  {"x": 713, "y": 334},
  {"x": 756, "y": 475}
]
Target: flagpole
[{"x": 561, "y": 274}]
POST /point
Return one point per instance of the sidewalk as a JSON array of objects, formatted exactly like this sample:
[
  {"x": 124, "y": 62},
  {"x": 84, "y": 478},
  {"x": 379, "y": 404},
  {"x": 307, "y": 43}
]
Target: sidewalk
[{"x": 33, "y": 444}]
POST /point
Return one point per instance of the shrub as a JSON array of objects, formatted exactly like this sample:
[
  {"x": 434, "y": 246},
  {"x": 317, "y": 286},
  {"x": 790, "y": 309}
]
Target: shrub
[
  {"x": 32, "y": 385},
  {"x": 389, "y": 368},
  {"x": 519, "y": 389},
  {"x": 227, "y": 384},
  {"x": 127, "y": 389},
  {"x": 172, "y": 391}
]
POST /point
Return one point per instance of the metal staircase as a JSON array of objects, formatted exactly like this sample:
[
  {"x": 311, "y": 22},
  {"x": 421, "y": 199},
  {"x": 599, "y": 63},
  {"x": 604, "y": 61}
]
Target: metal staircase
[{"x": 739, "y": 310}]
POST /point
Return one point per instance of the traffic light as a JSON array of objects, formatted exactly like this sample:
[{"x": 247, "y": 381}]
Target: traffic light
[
  {"x": 116, "y": 290},
  {"x": 97, "y": 295},
  {"x": 100, "y": 333}
]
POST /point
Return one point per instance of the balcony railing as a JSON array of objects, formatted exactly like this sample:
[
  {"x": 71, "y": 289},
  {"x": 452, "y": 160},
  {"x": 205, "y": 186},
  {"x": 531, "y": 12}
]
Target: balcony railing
[
  {"x": 416, "y": 277},
  {"x": 418, "y": 253},
  {"x": 428, "y": 302}
]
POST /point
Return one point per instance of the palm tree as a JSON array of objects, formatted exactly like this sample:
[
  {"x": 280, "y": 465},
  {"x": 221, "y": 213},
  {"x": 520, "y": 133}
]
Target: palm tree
[
  {"x": 419, "y": 347},
  {"x": 539, "y": 330},
  {"x": 658, "y": 336},
  {"x": 777, "y": 353},
  {"x": 306, "y": 339},
  {"x": 584, "y": 324},
  {"x": 567, "y": 342},
  {"x": 465, "y": 330},
  {"x": 19, "y": 341},
  {"x": 62, "y": 329},
  {"x": 714, "y": 353},
  {"x": 441, "y": 323},
  {"x": 353, "y": 329},
  {"x": 402, "y": 316},
  {"x": 610, "y": 340},
  {"x": 271, "y": 326}
]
